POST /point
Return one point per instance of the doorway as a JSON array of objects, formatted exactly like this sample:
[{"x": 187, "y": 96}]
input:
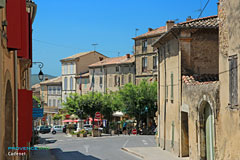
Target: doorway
[
  {"x": 207, "y": 133},
  {"x": 184, "y": 134}
]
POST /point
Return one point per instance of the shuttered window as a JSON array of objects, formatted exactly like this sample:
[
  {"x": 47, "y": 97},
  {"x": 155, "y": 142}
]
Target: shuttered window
[{"x": 233, "y": 81}]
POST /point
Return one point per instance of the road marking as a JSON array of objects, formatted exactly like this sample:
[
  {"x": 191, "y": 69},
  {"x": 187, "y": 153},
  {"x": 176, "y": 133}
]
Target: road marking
[
  {"x": 86, "y": 147},
  {"x": 144, "y": 142},
  {"x": 60, "y": 140},
  {"x": 124, "y": 145}
]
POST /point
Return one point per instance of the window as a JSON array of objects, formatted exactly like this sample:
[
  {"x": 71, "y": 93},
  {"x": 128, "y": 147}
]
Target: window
[
  {"x": 101, "y": 69},
  {"x": 85, "y": 83},
  {"x": 171, "y": 86},
  {"x": 49, "y": 103},
  {"x": 65, "y": 83},
  {"x": 233, "y": 81},
  {"x": 49, "y": 90},
  {"x": 71, "y": 83},
  {"x": 59, "y": 103},
  {"x": 66, "y": 69},
  {"x": 122, "y": 80},
  {"x": 144, "y": 64},
  {"x": 144, "y": 45},
  {"x": 129, "y": 78},
  {"x": 59, "y": 90},
  {"x": 155, "y": 62},
  {"x": 71, "y": 68},
  {"x": 117, "y": 69},
  {"x": 54, "y": 103},
  {"x": 166, "y": 92},
  {"x": 100, "y": 82},
  {"x": 115, "y": 80},
  {"x": 54, "y": 90},
  {"x": 129, "y": 69},
  {"x": 118, "y": 81}
]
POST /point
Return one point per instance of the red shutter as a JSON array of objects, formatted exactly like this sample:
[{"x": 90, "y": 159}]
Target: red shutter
[
  {"x": 24, "y": 117},
  {"x": 13, "y": 9},
  {"x": 24, "y": 51},
  {"x": 30, "y": 37}
]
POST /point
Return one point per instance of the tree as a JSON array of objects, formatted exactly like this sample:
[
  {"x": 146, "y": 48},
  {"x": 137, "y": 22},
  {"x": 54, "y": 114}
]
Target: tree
[{"x": 137, "y": 97}]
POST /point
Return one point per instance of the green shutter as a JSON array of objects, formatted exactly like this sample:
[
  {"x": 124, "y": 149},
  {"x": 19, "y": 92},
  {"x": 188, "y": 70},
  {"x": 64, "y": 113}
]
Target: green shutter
[
  {"x": 171, "y": 86},
  {"x": 172, "y": 134}
]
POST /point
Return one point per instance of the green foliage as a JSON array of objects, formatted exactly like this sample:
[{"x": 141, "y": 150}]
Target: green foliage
[
  {"x": 37, "y": 99},
  {"x": 137, "y": 97},
  {"x": 57, "y": 116}
]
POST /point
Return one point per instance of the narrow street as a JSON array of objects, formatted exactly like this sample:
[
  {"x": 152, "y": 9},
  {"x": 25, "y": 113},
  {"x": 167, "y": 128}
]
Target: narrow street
[{"x": 91, "y": 148}]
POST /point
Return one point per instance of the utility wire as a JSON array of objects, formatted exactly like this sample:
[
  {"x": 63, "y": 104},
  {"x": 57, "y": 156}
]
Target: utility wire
[{"x": 203, "y": 8}]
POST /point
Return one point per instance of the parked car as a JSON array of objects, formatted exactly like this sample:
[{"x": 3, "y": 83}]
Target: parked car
[
  {"x": 45, "y": 129},
  {"x": 57, "y": 128},
  {"x": 87, "y": 127}
]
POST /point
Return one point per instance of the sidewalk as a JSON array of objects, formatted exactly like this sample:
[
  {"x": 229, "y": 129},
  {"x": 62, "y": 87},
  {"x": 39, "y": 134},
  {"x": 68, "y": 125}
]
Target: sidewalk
[{"x": 152, "y": 153}]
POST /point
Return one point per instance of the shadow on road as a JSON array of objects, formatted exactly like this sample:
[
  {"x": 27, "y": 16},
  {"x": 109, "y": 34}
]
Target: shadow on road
[
  {"x": 70, "y": 155},
  {"x": 46, "y": 140}
]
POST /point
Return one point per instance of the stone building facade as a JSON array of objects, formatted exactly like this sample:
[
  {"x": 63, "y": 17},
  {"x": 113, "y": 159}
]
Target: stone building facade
[
  {"x": 112, "y": 73},
  {"x": 185, "y": 50},
  {"x": 51, "y": 98},
  {"x": 83, "y": 83},
  {"x": 229, "y": 59},
  {"x": 75, "y": 65},
  {"x": 145, "y": 56}
]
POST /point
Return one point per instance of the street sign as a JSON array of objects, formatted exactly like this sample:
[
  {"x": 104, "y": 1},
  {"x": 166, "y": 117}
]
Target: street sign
[
  {"x": 134, "y": 131},
  {"x": 43, "y": 119},
  {"x": 97, "y": 115},
  {"x": 37, "y": 112}
]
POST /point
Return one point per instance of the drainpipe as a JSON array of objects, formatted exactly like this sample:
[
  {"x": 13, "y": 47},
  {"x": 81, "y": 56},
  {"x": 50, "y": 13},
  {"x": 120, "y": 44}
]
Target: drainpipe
[
  {"x": 16, "y": 97},
  {"x": 158, "y": 106}
]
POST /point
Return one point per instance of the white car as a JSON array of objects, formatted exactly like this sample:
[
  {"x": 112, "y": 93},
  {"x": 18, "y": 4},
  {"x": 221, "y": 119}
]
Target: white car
[
  {"x": 87, "y": 127},
  {"x": 57, "y": 128}
]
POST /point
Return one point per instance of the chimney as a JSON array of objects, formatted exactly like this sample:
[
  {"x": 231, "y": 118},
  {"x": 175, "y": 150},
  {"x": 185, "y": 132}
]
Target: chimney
[
  {"x": 150, "y": 29},
  {"x": 218, "y": 7},
  {"x": 128, "y": 55},
  {"x": 46, "y": 78},
  {"x": 169, "y": 24},
  {"x": 189, "y": 18},
  {"x": 100, "y": 58}
]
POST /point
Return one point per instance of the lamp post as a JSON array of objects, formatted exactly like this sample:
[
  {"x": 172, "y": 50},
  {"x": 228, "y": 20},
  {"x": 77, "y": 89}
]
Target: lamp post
[
  {"x": 146, "y": 110},
  {"x": 40, "y": 74}
]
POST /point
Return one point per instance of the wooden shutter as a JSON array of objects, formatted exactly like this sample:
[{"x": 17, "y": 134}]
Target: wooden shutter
[
  {"x": 235, "y": 81},
  {"x": 171, "y": 86}
]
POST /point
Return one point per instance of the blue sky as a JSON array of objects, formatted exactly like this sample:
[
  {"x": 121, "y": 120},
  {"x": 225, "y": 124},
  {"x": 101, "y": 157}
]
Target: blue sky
[{"x": 63, "y": 28}]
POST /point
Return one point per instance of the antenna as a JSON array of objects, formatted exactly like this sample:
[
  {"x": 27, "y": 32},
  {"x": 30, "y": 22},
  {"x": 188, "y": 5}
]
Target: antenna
[{"x": 94, "y": 46}]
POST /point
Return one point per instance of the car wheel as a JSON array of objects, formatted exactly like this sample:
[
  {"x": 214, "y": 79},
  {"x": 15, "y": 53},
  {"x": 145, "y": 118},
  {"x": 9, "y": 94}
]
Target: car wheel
[{"x": 53, "y": 132}]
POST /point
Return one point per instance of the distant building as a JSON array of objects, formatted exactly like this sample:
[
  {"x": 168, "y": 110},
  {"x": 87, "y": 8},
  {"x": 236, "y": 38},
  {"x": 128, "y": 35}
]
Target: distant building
[
  {"x": 75, "y": 65},
  {"x": 36, "y": 90},
  {"x": 146, "y": 59},
  {"x": 51, "y": 98},
  {"x": 111, "y": 73}
]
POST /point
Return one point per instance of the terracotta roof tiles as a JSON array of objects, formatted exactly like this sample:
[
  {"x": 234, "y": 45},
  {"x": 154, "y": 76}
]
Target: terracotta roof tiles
[
  {"x": 154, "y": 32},
  {"x": 200, "y": 79}
]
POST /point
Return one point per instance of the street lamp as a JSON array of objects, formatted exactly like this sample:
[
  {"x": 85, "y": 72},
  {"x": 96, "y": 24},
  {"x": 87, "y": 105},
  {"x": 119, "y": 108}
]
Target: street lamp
[{"x": 40, "y": 74}]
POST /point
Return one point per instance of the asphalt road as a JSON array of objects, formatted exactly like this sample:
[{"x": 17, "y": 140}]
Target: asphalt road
[{"x": 94, "y": 148}]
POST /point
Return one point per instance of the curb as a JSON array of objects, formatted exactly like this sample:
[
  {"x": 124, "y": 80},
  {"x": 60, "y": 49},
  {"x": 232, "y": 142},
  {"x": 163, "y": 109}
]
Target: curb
[{"x": 129, "y": 151}]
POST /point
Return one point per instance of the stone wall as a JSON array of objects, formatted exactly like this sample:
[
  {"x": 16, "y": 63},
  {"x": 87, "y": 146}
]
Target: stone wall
[
  {"x": 193, "y": 98},
  {"x": 228, "y": 129}
]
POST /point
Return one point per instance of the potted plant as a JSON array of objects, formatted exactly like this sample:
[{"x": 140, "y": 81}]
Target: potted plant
[
  {"x": 96, "y": 132},
  {"x": 83, "y": 133}
]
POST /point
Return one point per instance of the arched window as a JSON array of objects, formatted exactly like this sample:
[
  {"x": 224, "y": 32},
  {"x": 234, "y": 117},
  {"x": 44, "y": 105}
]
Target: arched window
[
  {"x": 65, "y": 83},
  {"x": 71, "y": 83}
]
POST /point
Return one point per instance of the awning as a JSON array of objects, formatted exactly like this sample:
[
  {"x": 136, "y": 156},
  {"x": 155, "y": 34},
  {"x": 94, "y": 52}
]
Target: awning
[
  {"x": 118, "y": 114},
  {"x": 90, "y": 119},
  {"x": 67, "y": 120}
]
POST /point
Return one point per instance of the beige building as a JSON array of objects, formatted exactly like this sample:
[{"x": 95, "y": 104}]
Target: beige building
[
  {"x": 36, "y": 90},
  {"x": 83, "y": 83},
  {"x": 76, "y": 65},
  {"x": 145, "y": 56},
  {"x": 112, "y": 73},
  {"x": 50, "y": 96},
  {"x": 228, "y": 122},
  {"x": 188, "y": 87}
]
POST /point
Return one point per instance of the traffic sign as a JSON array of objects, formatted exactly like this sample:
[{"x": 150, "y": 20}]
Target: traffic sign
[
  {"x": 43, "y": 119},
  {"x": 37, "y": 112},
  {"x": 134, "y": 131},
  {"x": 97, "y": 115}
]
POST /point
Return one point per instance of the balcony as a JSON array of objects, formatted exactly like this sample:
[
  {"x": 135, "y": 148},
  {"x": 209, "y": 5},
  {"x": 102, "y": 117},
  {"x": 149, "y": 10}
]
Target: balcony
[{"x": 50, "y": 110}]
